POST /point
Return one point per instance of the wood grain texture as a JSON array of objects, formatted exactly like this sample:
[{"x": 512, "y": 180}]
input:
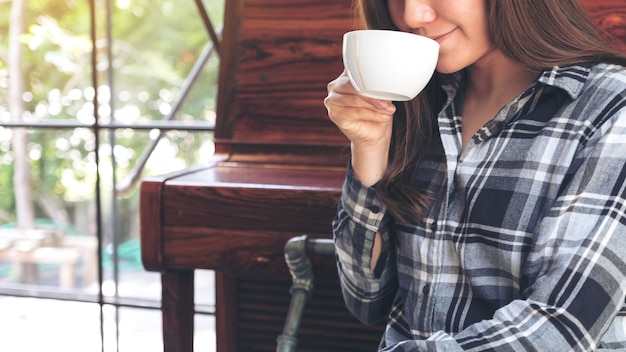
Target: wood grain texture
[
  {"x": 326, "y": 323},
  {"x": 150, "y": 225},
  {"x": 246, "y": 202},
  {"x": 258, "y": 252},
  {"x": 177, "y": 302},
  {"x": 227, "y": 301},
  {"x": 610, "y": 15},
  {"x": 151, "y": 215},
  {"x": 274, "y": 81},
  {"x": 313, "y": 154},
  {"x": 237, "y": 217}
]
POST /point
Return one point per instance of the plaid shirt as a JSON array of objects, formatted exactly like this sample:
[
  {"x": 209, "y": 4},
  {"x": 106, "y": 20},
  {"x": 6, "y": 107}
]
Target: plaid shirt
[{"x": 524, "y": 246}]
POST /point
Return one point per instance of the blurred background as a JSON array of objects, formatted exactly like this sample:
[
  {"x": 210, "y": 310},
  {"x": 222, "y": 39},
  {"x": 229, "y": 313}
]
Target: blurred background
[{"x": 94, "y": 96}]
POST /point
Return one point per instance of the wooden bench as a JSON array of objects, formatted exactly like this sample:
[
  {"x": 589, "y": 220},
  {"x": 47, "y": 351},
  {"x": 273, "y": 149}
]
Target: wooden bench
[
  {"x": 40, "y": 246},
  {"x": 66, "y": 258},
  {"x": 277, "y": 173}
]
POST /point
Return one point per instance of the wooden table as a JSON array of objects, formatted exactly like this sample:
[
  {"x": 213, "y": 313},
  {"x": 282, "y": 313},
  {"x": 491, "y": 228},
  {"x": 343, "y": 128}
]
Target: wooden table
[{"x": 236, "y": 218}]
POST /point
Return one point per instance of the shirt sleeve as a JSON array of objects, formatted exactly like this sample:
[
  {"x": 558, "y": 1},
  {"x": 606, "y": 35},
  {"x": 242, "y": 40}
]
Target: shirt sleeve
[
  {"x": 361, "y": 213},
  {"x": 579, "y": 253}
]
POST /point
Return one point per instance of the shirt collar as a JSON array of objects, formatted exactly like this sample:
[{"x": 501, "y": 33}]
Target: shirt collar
[{"x": 571, "y": 79}]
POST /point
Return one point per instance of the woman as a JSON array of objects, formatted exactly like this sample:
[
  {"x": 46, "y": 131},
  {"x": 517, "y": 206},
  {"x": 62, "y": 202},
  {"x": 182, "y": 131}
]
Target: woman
[{"x": 489, "y": 213}]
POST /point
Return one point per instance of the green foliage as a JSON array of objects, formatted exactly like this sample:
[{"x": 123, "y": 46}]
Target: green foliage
[
  {"x": 154, "y": 45},
  {"x": 7, "y": 200}
]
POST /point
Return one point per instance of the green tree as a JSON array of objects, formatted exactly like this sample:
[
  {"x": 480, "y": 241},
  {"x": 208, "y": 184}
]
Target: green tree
[{"x": 154, "y": 45}]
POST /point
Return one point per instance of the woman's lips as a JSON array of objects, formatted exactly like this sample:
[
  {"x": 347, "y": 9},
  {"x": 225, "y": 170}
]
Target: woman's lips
[{"x": 441, "y": 38}]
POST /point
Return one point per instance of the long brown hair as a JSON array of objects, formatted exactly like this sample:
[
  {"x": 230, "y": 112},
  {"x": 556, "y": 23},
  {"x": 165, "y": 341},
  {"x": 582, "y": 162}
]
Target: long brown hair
[{"x": 538, "y": 34}]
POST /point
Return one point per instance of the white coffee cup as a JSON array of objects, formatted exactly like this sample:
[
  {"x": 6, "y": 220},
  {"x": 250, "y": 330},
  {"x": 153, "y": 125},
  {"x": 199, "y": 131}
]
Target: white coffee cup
[{"x": 389, "y": 65}]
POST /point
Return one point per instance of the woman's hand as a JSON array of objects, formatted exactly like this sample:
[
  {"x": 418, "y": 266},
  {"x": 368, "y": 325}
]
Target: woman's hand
[{"x": 367, "y": 123}]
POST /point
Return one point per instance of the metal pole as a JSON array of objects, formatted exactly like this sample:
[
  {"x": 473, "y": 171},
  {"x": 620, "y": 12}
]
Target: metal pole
[{"x": 301, "y": 270}]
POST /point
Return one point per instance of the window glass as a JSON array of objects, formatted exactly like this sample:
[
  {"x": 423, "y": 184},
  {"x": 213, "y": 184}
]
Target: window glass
[{"x": 69, "y": 205}]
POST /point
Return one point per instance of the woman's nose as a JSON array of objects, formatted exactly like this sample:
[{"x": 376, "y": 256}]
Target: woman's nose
[{"x": 418, "y": 13}]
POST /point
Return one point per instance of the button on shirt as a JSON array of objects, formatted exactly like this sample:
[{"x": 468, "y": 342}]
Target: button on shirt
[{"x": 524, "y": 245}]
